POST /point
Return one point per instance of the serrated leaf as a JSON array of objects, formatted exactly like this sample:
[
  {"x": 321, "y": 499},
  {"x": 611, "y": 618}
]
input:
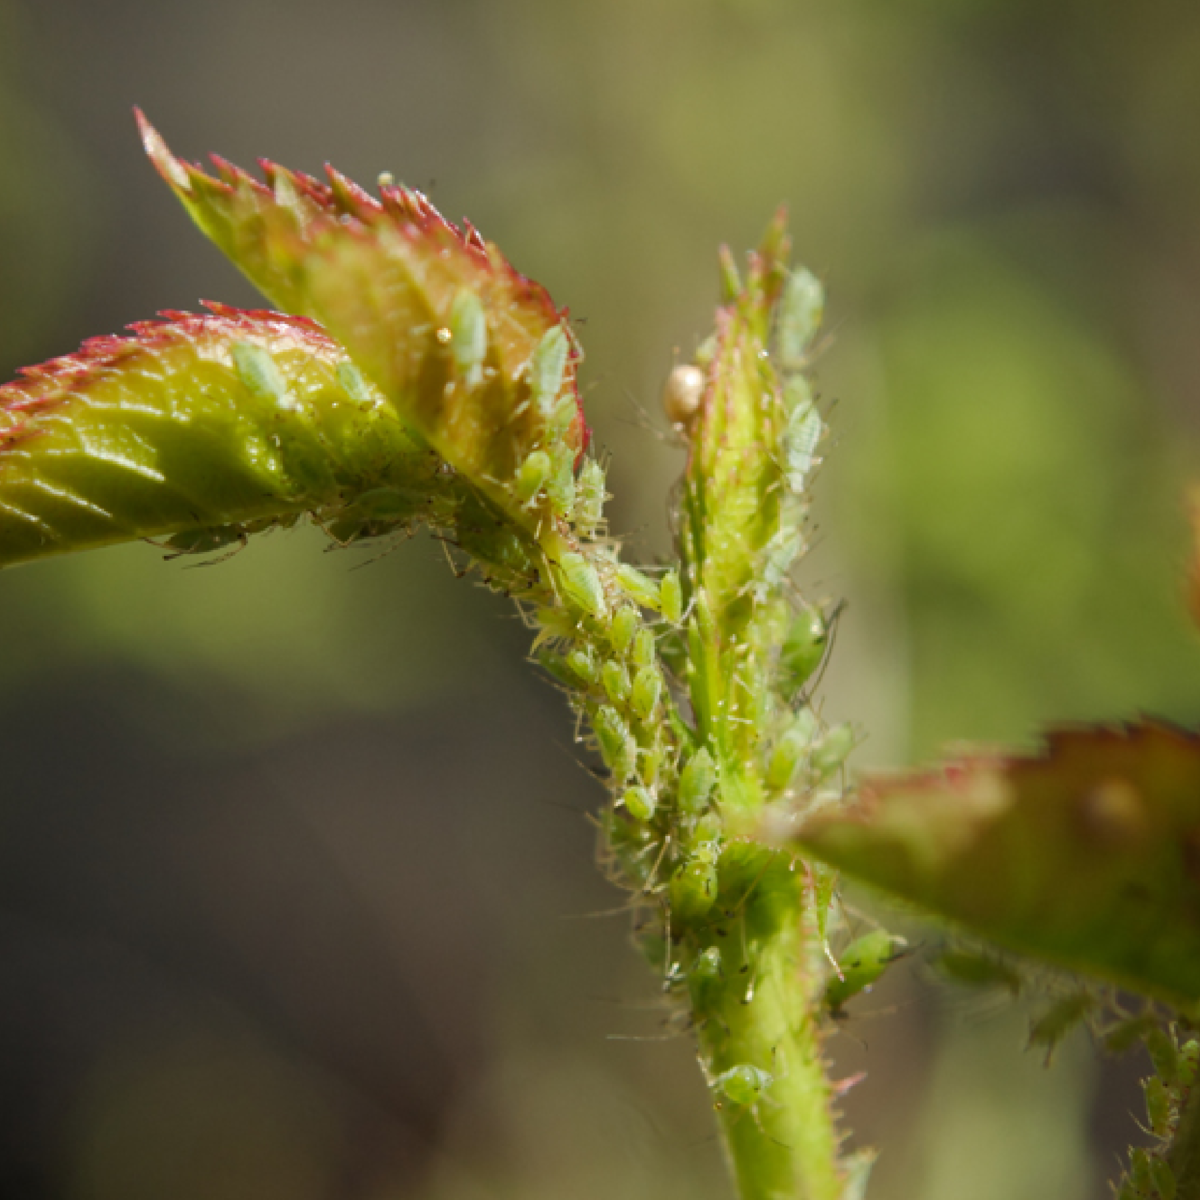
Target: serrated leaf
[
  {"x": 202, "y": 422},
  {"x": 387, "y": 278},
  {"x": 1087, "y": 856}
]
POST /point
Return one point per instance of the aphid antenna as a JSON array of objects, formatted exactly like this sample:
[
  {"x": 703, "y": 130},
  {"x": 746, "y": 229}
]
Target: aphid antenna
[
  {"x": 242, "y": 539},
  {"x": 600, "y": 914}
]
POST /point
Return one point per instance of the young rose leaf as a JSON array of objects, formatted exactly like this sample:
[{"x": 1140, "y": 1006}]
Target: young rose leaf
[
  {"x": 1087, "y": 855},
  {"x": 206, "y": 426},
  {"x": 472, "y": 354}
]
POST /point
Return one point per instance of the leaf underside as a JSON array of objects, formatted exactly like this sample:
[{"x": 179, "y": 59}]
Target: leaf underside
[
  {"x": 1087, "y": 855},
  {"x": 161, "y": 433}
]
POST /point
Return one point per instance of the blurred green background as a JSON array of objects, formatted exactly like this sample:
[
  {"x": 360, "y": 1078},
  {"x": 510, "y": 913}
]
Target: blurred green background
[{"x": 295, "y": 864}]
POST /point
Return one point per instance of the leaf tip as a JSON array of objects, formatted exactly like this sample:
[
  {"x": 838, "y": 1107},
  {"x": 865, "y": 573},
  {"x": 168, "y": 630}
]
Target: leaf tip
[{"x": 168, "y": 166}]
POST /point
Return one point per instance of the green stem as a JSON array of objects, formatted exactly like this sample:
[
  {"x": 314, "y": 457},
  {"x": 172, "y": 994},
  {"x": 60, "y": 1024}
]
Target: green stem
[{"x": 785, "y": 1146}]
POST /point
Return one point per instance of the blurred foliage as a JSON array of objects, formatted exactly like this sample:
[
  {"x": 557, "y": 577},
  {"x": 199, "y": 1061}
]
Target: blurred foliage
[{"x": 1002, "y": 198}]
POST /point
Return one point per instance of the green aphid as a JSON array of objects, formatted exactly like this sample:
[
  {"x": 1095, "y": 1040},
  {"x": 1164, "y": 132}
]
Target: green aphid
[
  {"x": 556, "y": 666},
  {"x": 1064, "y": 1015},
  {"x": 204, "y": 541},
  {"x": 617, "y": 747},
  {"x": 1189, "y": 1057},
  {"x": 532, "y": 475},
  {"x": 1158, "y": 1107},
  {"x": 800, "y": 440},
  {"x": 1165, "y": 1183},
  {"x": 624, "y": 628},
  {"x": 640, "y": 588},
  {"x": 791, "y": 749},
  {"x": 258, "y": 372},
  {"x": 1164, "y": 1054},
  {"x": 547, "y": 368},
  {"x": 616, "y": 681},
  {"x": 743, "y": 1085},
  {"x": 705, "y": 977},
  {"x": 671, "y": 595},
  {"x": 647, "y": 688},
  {"x": 831, "y": 752},
  {"x": 640, "y": 803},
  {"x": 860, "y": 964},
  {"x": 1131, "y": 1032},
  {"x": 1140, "y": 1173},
  {"x": 778, "y": 556},
  {"x": 468, "y": 335},
  {"x": 696, "y": 782},
  {"x": 560, "y": 486},
  {"x": 581, "y": 585},
  {"x": 802, "y": 650},
  {"x": 589, "y": 497},
  {"x": 978, "y": 970},
  {"x": 556, "y": 622},
  {"x": 798, "y": 317},
  {"x": 693, "y": 889},
  {"x": 354, "y": 384},
  {"x": 581, "y": 662},
  {"x": 644, "y": 648}
]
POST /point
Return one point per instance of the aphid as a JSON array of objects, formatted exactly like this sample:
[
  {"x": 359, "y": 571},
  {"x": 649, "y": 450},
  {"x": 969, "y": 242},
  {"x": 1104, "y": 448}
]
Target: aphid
[
  {"x": 831, "y": 752},
  {"x": 800, "y": 439},
  {"x": 671, "y": 595},
  {"x": 1140, "y": 1174},
  {"x": 624, "y": 626},
  {"x": 973, "y": 969},
  {"x": 560, "y": 486},
  {"x": 1165, "y": 1183},
  {"x": 616, "y": 681},
  {"x": 1130, "y": 1032},
  {"x": 532, "y": 476},
  {"x": 779, "y": 555},
  {"x": 468, "y": 335},
  {"x": 644, "y": 648},
  {"x": 258, "y": 372},
  {"x": 860, "y": 965},
  {"x": 1158, "y": 1107},
  {"x": 581, "y": 662},
  {"x": 640, "y": 803},
  {"x": 1164, "y": 1055},
  {"x": 204, "y": 541},
  {"x": 803, "y": 649},
  {"x": 547, "y": 367},
  {"x": 590, "y": 497},
  {"x": 1059, "y": 1019},
  {"x": 744, "y": 1085},
  {"x": 793, "y": 744},
  {"x": 694, "y": 885},
  {"x": 582, "y": 585},
  {"x": 641, "y": 589},
  {"x": 704, "y": 977},
  {"x": 1189, "y": 1058},
  {"x": 696, "y": 782},
  {"x": 617, "y": 747},
  {"x": 683, "y": 393},
  {"x": 355, "y": 384},
  {"x": 798, "y": 317},
  {"x": 647, "y": 687}
]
